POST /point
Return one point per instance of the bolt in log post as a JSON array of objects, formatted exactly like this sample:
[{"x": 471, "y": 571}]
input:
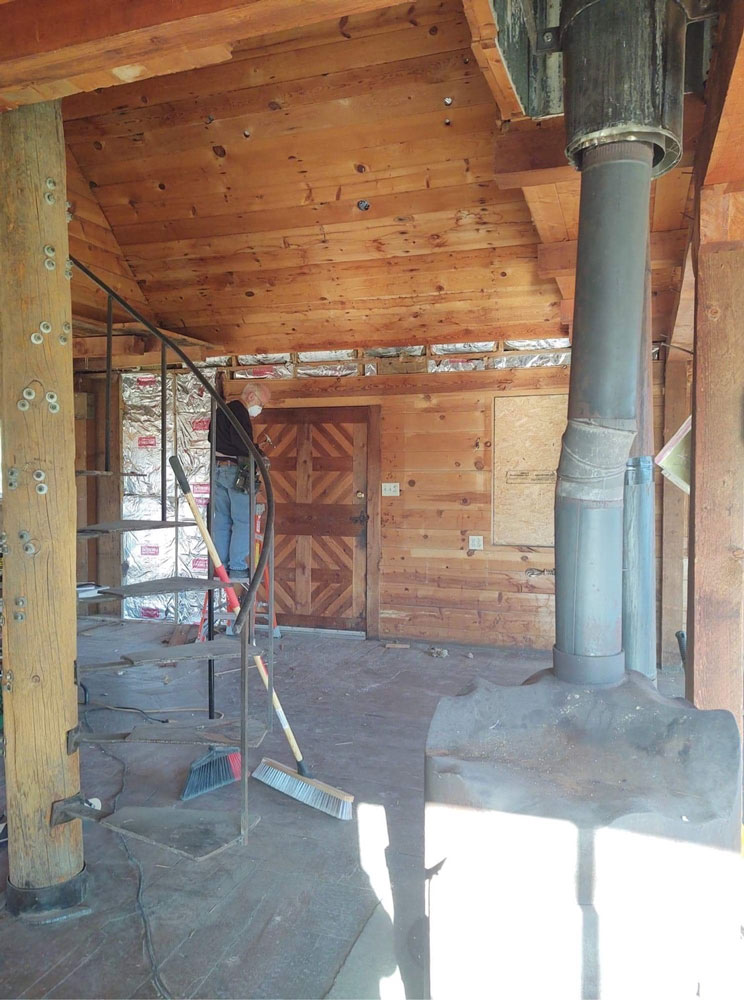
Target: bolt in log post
[{"x": 40, "y": 703}]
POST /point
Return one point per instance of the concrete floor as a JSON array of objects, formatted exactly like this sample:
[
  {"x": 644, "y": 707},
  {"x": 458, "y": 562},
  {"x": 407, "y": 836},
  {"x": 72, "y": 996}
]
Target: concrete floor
[{"x": 311, "y": 906}]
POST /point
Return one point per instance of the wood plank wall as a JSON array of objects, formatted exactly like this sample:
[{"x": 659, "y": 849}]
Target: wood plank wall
[{"x": 441, "y": 448}]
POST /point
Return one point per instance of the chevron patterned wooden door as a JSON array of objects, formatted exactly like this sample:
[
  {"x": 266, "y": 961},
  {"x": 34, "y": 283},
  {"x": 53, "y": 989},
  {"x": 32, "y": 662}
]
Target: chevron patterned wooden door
[{"x": 319, "y": 472}]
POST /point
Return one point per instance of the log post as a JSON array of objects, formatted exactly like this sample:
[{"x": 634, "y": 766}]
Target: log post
[{"x": 38, "y": 444}]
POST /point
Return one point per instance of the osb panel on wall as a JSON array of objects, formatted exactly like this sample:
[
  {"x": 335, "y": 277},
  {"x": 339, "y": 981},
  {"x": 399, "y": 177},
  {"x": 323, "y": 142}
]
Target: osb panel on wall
[{"x": 528, "y": 432}]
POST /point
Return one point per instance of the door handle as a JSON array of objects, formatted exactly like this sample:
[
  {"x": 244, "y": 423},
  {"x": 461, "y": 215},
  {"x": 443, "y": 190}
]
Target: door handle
[{"x": 360, "y": 518}]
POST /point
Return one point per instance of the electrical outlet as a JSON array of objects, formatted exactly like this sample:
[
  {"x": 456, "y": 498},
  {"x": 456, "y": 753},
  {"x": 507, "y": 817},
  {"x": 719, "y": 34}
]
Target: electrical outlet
[
  {"x": 475, "y": 543},
  {"x": 391, "y": 489}
]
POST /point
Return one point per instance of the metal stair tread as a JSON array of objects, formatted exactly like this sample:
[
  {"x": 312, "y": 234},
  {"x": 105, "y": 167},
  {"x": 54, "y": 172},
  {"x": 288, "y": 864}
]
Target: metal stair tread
[
  {"x": 113, "y": 527},
  {"x": 220, "y": 732},
  {"x": 213, "y": 649},
  {"x": 165, "y": 585},
  {"x": 104, "y": 472}
]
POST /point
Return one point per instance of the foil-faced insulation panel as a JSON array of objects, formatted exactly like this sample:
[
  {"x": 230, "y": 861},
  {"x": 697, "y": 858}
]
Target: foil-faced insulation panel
[
  {"x": 342, "y": 355},
  {"x": 482, "y": 347},
  {"x": 516, "y": 360},
  {"x": 456, "y": 365},
  {"x": 267, "y": 371},
  {"x": 394, "y": 352},
  {"x": 149, "y": 555}
]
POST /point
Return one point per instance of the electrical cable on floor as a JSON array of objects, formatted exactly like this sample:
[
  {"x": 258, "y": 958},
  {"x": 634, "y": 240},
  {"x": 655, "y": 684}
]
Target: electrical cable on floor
[
  {"x": 99, "y": 706},
  {"x": 155, "y": 976}
]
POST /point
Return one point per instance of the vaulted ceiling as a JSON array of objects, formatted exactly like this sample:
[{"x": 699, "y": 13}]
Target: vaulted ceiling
[{"x": 342, "y": 185}]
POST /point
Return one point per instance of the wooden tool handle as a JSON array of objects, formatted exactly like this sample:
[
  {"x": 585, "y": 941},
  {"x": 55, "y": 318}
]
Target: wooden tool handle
[
  {"x": 219, "y": 569},
  {"x": 297, "y": 753}
]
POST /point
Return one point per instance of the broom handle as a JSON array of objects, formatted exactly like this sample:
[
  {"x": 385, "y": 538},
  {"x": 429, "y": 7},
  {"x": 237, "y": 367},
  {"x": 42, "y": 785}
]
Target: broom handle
[
  {"x": 219, "y": 569},
  {"x": 232, "y": 600},
  {"x": 296, "y": 752}
]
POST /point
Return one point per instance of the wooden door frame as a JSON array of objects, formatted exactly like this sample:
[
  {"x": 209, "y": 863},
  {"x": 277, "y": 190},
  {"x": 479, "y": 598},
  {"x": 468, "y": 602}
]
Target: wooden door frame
[
  {"x": 374, "y": 523},
  {"x": 374, "y": 504}
]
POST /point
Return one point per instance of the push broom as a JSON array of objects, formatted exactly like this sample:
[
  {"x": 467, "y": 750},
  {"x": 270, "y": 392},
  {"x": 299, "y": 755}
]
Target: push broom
[{"x": 219, "y": 767}]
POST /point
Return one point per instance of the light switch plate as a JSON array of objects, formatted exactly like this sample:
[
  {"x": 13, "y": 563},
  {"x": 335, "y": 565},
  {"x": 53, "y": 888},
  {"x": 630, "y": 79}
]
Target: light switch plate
[
  {"x": 475, "y": 543},
  {"x": 391, "y": 489}
]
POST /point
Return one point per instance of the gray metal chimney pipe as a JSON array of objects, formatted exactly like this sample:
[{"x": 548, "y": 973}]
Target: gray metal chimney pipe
[
  {"x": 624, "y": 70},
  {"x": 610, "y": 276}
]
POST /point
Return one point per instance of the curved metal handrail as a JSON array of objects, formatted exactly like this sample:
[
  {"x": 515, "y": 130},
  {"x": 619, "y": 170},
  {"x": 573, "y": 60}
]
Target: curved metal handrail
[{"x": 250, "y": 594}]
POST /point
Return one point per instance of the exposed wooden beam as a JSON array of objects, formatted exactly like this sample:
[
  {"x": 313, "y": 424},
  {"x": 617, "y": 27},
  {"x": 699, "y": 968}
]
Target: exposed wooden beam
[
  {"x": 179, "y": 338},
  {"x": 547, "y": 165},
  {"x": 558, "y": 260},
  {"x": 517, "y": 381},
  {"x": 53, "y": 48},
  {"x": 95, "y": 347},
  {"x": 485, "y": 32}
]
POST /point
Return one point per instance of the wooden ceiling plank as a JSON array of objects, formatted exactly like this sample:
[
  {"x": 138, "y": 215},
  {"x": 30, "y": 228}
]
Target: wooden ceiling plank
[
  {"x": 331, "y": 101},
  {"x": 405, "y": 204},
  {"x": 41, "y": 40},
  {"x": 471, "y": 136},
  {"x": 93, "y": 242},
  {"x": 285, "y": 56},
  {"x": 336, "y": 217},
  {"x": 130, "y": 202},
  {"x": 239, "y": 93}
]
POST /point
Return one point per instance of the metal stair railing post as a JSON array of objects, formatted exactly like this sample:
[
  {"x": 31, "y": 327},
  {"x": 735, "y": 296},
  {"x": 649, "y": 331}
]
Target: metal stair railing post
[
  {"x": 210, "y": 565},
  {"x": 252, "y": 450},
  {"x": 109, "y": 375},
  {"x": 163, "y": 438}
]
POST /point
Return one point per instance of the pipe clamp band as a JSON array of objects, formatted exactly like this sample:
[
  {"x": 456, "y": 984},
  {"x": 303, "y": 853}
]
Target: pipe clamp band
[{"x": 598, "y": 671}]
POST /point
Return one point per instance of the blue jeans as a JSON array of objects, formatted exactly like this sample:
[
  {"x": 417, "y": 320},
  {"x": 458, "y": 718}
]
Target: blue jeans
[{"x": 232, "y": 521}]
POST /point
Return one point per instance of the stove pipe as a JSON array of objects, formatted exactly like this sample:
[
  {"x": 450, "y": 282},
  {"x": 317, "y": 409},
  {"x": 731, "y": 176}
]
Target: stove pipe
[{"x": 624, "y": 73}]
